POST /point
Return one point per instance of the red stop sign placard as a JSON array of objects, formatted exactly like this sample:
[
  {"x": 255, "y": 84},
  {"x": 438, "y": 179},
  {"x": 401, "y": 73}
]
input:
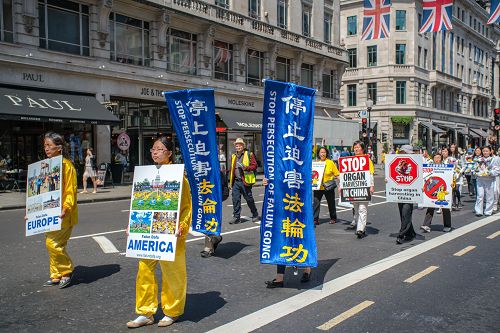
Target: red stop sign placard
[{"x": 403, "y": 170}]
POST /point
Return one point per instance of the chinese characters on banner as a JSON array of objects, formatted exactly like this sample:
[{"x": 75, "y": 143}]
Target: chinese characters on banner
[
  {"x": 193, "y": 116},
  {"x": 355, "y": 178},
  {"x": 43, "y": 196},
  {"x": 287, "y": 228},
  {"x": 155, "y": 211},
  {"x": 437, "y": 185},
  {"x": 404, "y": 178},
  {"x": 318, "y": 169}
]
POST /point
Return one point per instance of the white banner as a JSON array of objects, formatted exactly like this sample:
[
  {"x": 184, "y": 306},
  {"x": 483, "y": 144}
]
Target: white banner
[
  {"x": 318, "y": 169},
  {"x": 43, "y": 196},
  {"x": 437, "y": 185},
  {"x": 404, "y": 178},
  {"x": 154, "y": 211}
]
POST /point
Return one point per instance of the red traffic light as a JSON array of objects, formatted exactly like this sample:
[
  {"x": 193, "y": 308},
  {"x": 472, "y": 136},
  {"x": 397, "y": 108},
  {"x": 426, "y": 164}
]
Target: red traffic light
[
  {"x": 363, "y": 120},
  {"x": 497, "y": 111}
]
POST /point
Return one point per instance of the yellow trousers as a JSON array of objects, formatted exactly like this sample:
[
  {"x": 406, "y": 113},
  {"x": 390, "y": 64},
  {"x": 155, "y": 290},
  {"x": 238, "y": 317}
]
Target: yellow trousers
[
  {"x": 60, "y": 262},
  {"x": 173, "y": 284}
]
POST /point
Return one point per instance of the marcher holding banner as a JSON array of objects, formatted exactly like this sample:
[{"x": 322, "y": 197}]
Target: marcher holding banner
[
  {"x": 61, "y": 266},
  {"x": 174, "y": 276},
  {"x": 486, "y": 169},
  {"x": 327, "y": 188}
]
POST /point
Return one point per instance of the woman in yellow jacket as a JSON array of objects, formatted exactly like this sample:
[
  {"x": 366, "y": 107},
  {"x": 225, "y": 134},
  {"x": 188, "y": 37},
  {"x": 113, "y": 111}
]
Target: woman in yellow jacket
[
  {"x": 61, "y": 266},
  {"x": 174, "y": 276},
  {"x": 330, "y": 173}
]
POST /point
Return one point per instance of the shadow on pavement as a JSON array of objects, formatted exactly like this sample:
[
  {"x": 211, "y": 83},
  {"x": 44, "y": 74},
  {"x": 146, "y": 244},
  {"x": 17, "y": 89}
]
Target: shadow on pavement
[
  {"x": 229, "y": 249},
  {"x": 199, "y": 306},
  {"x": 85, "y": 274},
  {"x": 317, "y": 275}
]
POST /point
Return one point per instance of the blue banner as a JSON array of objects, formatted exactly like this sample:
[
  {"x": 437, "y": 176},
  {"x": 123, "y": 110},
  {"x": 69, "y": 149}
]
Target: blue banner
[
  {"x": 193, "y": 115},
  {"x": 287, "y": 228}
]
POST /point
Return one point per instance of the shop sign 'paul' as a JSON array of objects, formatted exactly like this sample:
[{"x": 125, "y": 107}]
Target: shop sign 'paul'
[{"x": 41, "y": 103}]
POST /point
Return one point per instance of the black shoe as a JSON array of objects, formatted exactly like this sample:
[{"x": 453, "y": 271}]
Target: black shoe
[
  {"x": 274, "y": 284},
  {"x": 306, "y": 277},
  {"x": 409, "y": 239},
  {"x": 360, "y": 234},
  {"x": 206, "y": 254},
  {"x": 399, "y": 240},
  {"x": 235, "y": 220}
]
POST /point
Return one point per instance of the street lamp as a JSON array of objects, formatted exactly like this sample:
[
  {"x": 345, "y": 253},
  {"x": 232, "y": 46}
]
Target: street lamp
[{"x": 369, "y": 104}]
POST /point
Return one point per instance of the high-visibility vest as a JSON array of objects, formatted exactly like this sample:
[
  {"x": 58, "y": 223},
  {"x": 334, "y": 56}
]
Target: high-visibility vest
[{"x": 249, "y": 176}]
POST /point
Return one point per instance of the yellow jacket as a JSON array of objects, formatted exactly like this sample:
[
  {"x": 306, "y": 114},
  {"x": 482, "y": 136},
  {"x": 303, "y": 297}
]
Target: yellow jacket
[
  {"x": 69, "y": 190},
  {"x": 330, "y": 173},
  {"x": 186, "y": 208}
]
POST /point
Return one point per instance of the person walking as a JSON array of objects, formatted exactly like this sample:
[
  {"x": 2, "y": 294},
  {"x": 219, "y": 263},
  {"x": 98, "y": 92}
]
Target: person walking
[
  {"x": 455, "y": 158},
  {"x": 61, "y": 265},
  {"x": 90, "y": 170},
  {"x": 468, "y": 164},
  {"x": 327, "y": 188},
  {"x": 174, "y": 276},
  {"x": 486, "y": 169},
  {"x": 241, "y": 180},
  {"x": 361, "y": 207},
  {"x": 335, "y": 156},
  {"x": 429, "y": 214}
]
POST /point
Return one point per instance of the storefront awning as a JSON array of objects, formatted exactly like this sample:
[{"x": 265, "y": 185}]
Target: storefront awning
[
  {"x": 480, "y": 132},
  {"x": 432, "y": 127},
  {"x": 19, "y": 104},
  {"x": 241, "y": 120},
  {"x": 462, "y": 131},
  {"x": 474, "y": 135}
]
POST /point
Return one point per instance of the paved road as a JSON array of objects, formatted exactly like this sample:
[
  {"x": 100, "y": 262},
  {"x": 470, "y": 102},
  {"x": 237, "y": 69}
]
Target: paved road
[{"x": 360, "y": 280}]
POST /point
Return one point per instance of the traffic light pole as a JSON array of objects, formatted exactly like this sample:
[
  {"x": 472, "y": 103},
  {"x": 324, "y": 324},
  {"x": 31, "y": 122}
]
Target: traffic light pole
[{"x": 369, "y": 127}]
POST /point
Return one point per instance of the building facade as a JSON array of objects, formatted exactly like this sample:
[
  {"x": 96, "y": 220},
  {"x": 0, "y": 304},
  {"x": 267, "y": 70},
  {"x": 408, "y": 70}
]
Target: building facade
[
  {"x": 427, "y": 89},
  {"x": 126, "y": 53}
]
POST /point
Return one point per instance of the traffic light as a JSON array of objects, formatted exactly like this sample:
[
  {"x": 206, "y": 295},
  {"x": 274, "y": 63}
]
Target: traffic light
[
  {"x": 497, "y": 117},
  {"x": 384, "y": 137},
  {"x": 363, "y": 125}
]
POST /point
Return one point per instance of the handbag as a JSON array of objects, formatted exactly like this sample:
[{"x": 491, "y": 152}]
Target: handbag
[{"x": 330, "y": 185}]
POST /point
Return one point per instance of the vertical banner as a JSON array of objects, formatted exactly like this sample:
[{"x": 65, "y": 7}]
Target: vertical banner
[
  {"x": 355, "y": 178},
  {"x": 193, "y": 116},
  {"x": 287, "y": 228},
  {"x": 43, "y": 196},
  {"x": 404, "y": 178},
  {"x": 318, "y": 169},
  {"x": 437, "y": 185},
  {"x": 155, "y": 211}
]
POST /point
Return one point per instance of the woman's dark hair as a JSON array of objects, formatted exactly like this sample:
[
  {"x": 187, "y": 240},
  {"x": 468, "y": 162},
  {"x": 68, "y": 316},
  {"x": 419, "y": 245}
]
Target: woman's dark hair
[
  {"x": 57, "y": 139},
  {"x": 438, "y": 154},
  {"x": 489, "y": 147},
  {"x": 454, "y": 153},
  {"x": 326, "y": 149},
  {"x": 166, "y": 141},
  {"x": 360, "y": 143}
]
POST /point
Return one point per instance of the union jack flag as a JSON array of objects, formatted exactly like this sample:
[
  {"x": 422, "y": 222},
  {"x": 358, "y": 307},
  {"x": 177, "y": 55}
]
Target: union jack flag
[
  {"x": 494, "y": 12},
  {"x": 376, "y": 19},
  {"x": 437, "y": 15}
]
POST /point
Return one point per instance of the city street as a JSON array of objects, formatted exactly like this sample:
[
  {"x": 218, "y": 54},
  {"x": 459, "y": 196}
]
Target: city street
[{"x": 439, "y": 282}]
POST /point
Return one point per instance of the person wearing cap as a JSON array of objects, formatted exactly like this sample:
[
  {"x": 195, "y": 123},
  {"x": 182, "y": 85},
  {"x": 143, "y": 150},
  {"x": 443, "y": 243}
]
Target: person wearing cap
[
  {"x": 241, "y": 180},
  {"x": 406, "y": 232}
]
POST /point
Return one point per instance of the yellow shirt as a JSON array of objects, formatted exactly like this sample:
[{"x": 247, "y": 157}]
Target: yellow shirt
[
  {"x": 186, "y": 208},
  {"x": 69, "y": 190},
  {"x": 330, "y": 173}
]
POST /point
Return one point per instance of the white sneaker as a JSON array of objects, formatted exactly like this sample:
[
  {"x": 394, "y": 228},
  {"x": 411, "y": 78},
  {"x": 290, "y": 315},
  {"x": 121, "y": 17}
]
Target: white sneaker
[
  {"x": 140, "y": 321},
  {"x": 439, "y": 211},
  {"x": 425, "y": 228},
  {"x": 446, "y": 229}
]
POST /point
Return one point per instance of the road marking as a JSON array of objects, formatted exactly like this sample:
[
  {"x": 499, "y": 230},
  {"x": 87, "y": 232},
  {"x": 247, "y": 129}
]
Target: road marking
[
  {"x": 125, "y": 210},
  {"x": 105, "y": 244},
  {"x": 493, "y": 235},
  {"x": 283, "y": 308},
  {"x": 101, "y": 233},
  {"x": 345, "y": 315},
  {"x": 378, "y": 196},
  {"x": 464, "y": 251},
  {"x": 420, "y": 275}
]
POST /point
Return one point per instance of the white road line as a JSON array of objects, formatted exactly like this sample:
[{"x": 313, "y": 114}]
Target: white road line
[
  {"x": 378, "y": 196},
  {"x": 281, "y": 309},
  {"x": 101, "y": 233},
  {"x": 105, "y": 244},
  {"x": 125, "y": 210},
  {"x": 464, "y": 251},
  {"x": 345, "y": 315},
  {"x": 421, "y": 274},
  {"x": 493, "y": 235}
]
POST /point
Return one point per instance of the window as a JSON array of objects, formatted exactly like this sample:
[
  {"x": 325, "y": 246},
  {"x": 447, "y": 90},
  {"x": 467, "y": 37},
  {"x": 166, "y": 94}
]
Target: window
[
  {"x": 283, "y": 68},
  {"x": 254, "y": 9},
  {"x": 329, "y": 84},
  {"x": 223, "y": 61},
  {"x": 470, "y": 51},
  {"x": 434, "y": 51},
  {"x": 222, "y": 3},
  {"x": 351, "y": 95},
  {"x": 372, "y": 92},
  {"x": 306, "y": 75},
  {"x": 400, "y": 92},
  {"x": 462, "y": 47},
  {"x": 400, "y": 54},
  {"x": 306, "y": 20},
  {"x": 181, "y": 55},
  {"x": 372, "y": 55},
  {"x": 353, "y": 58},
  {"x": 352, "y": 25},
  {"x": 283, "y": 14},
  {"x": 129, "y": 40},
  {"x": 400, "y": 20},
  {"x": 419, "y": 21},
  {"x": 327, "y": 29},
  {"x": 6, "y": 22},
  {"x": 73, "y": 17},
  {"x": 255, "y": 67},
  {"x": 425, "y": 58},
  {"x": 419, "y": 88},
  {"x": 419, "y": 56}
]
